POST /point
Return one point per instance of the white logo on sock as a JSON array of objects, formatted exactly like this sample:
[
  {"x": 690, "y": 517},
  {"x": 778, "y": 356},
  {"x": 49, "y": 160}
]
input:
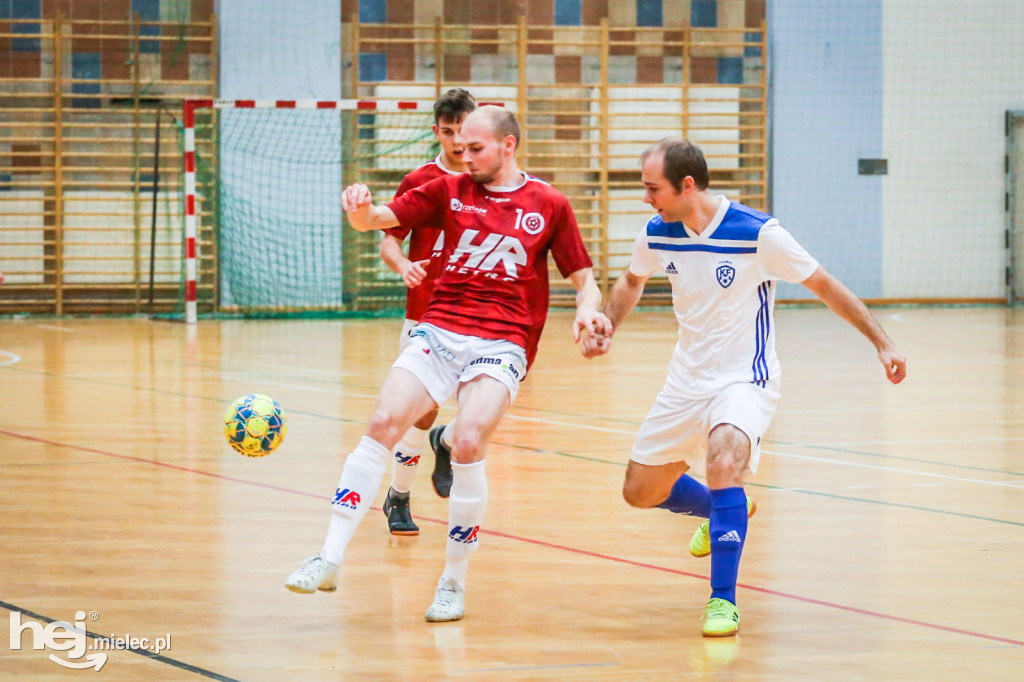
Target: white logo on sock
[{"x": 731, "y": 536}]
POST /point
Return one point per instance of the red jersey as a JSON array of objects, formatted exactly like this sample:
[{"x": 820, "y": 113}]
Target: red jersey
[
  {"x": 494, "y": 282},
  {"x": 424, "y": 244}
]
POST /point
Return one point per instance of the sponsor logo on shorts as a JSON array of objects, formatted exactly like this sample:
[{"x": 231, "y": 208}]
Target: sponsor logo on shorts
[
  {"x": 504, "y": 364},
  {"x": 441, "y": 350}
]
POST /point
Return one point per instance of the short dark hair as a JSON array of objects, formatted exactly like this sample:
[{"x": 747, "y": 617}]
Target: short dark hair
[
  {"x": 505, "y": 124},
  {"x": 453, "y": 105},
  {"x": 680, "y": 158}
]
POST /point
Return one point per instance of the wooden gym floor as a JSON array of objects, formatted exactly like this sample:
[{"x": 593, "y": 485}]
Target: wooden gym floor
[{"x": 888, "y": 543}]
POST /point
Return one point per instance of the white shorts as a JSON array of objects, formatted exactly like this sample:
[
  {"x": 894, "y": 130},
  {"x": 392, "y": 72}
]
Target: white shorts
[
  {"x": 676, "y": 429},
  {"x": 442, "y": 360},
  {"x": 403, "y": 340}
]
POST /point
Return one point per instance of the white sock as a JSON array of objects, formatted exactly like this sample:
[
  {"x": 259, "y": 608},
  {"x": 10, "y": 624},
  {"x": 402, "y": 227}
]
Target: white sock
[
  {"x": 357, "y": 488},
  {"x": 466, "y": 508},
  {"x": 446, "y": 434},
  {"x": 407, "y": 456}
]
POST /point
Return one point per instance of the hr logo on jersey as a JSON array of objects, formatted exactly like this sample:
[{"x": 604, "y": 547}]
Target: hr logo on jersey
[
  {"x": 439, "y": 244},
  {"x": 407, "y": 460},
  {"x": 725, "y": 274},
  {"x": 465, "y": 535},
  {"x": 344, "y": 497},
  {"x": 486, "y": 255}
]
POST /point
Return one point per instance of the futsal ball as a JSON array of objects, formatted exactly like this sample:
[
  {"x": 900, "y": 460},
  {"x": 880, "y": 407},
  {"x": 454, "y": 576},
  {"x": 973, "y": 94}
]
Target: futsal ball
[{"x": 255, "y": 425}]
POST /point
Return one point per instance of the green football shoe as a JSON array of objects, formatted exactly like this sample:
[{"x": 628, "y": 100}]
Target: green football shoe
[
  {"x": 721, "y": 619},
  {"x": 700, "y": 543}
]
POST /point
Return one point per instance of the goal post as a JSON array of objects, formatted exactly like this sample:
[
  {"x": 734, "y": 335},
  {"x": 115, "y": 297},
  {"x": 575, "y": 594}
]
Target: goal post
[{"x": 262, "y": 202}]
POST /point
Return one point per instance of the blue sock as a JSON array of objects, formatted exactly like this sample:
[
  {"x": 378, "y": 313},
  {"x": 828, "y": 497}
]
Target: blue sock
[
  {"x": 688, "y": 496},
  {"x": 728, "y": 528}
]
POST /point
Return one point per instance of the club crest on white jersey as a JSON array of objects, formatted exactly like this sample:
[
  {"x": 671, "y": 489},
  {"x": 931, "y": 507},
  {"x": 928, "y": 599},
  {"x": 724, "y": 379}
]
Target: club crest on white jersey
[{"x": 725, "y": 273}]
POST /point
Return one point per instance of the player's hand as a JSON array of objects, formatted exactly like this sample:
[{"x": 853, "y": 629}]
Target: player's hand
[
  {"x": 894, "y": 362},
  {"x": 593, "y": 321},
  {"x": 355, "y": 197},
  {"x": 1, "y": 278},
  {"x": 595, "y": 344},
  {"x": 414, "y": 272}
]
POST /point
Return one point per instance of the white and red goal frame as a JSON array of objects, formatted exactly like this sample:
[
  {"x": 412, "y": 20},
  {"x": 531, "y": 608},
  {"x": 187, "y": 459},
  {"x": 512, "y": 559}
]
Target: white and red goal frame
[{"x": 189, "y": 108}]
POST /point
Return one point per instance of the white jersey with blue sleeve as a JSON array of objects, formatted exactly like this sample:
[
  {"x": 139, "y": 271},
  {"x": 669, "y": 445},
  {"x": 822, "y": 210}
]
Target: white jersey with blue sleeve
[{"x": 723, "y": 293}]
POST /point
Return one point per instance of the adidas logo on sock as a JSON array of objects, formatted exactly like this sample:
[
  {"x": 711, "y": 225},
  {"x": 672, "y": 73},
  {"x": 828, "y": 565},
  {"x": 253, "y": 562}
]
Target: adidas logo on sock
[{"x": 731, "y": 536}]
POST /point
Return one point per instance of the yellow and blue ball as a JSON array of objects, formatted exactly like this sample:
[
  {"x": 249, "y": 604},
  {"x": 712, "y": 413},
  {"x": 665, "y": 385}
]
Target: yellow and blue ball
[{"x": 254, "y": 425}]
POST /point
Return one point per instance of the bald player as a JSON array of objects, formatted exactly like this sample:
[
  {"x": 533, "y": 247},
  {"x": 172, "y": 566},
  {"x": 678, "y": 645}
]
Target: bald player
[{"x": 476, "y": 340}]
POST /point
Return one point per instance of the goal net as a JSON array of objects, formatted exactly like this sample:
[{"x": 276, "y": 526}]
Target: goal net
[{"x": 263, "y": 183}]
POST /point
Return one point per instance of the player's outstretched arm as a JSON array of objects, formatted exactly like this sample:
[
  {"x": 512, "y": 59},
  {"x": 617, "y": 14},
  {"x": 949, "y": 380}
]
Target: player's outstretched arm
[
  {"x": 844, "y": 303},
  {"x": 588, "y": 300},
  {"x": 625, "y": 295},
  {"x": 362, "y": 214},
  {"x": 412, "y": 272},
  {"x": 623, "y": 298}
]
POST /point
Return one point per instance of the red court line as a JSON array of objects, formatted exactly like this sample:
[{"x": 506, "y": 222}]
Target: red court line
[
  {"x": 541, "y": 543},
  {"x": 158, "y": 463}
]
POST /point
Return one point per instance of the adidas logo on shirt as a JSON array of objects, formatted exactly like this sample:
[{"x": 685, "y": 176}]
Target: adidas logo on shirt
[
  {"x": 671, "y": 269},
  {"x": 731, "y": 536}
]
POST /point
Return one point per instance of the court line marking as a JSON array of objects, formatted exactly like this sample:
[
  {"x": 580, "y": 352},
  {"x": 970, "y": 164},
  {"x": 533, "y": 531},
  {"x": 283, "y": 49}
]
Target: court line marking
[
  {"x": 901, "y": 318},
  {"x": 550, "y": 545},
  {"x": 12, "y": 358},
  {"x": 535, "y": 667},
  {"x": 532, "y": 419},
  {"x": 913, "y": 441},
  {"x": 238, "y": 375},
  {"x": 141, "y": 652},
  {"x": 59, "y": 329},
  {"x": 960, "y": 479}
]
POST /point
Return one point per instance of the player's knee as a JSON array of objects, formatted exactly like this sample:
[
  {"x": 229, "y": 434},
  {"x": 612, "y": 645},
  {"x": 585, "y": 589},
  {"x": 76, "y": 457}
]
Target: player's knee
[
  {"x": 383, "y": 427},
  {"x": 468, "y": 446},
  {"x": 728, "y": 453},
  {"x": 725, "y": 469}
]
